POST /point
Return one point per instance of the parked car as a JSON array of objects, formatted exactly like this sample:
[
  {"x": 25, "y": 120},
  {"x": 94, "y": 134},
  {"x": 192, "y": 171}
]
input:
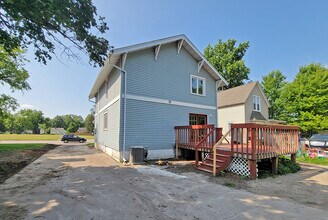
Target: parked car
[
  {"x": 319, "y": 140},
  {"x": 72, "y": 137}
]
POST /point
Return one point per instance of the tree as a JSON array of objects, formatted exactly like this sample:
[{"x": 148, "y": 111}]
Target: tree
[
  {"x": 58, "y": 122},
  {"x": 29, "y": 119},
  {"x": 72, "y": 127},
  {"x": 305, "y": 100},
  {"x": 13, "y": 74},
  {"x": 89, "y": 122},
  {"x": 48, "y": 24},
  {"x": 273, "y": 84},
  {"x": 227, "y": 59},
  {"x": 46, "y": 125}
]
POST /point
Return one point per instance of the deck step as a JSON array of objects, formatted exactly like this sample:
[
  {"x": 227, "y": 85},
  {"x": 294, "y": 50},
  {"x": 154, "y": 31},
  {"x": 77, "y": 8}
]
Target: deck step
[
  {"x": 223, "y": 159},
  {"x": 209, "y": 165}
]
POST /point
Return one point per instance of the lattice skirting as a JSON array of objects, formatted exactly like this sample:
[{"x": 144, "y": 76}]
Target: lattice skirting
[{"x": 240, "y": 166}]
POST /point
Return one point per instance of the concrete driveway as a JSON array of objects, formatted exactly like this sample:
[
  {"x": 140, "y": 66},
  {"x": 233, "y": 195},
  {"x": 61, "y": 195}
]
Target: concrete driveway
[{"x": 75, "y": 182}]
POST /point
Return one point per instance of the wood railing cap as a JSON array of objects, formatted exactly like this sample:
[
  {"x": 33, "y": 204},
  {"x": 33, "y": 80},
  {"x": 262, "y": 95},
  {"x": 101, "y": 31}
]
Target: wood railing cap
[
  {"x": 257, "y": 125},
  {"x": 194, "y": 126}
]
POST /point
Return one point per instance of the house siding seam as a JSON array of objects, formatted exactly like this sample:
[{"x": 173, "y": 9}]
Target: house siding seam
[{"x": 169, "y": 102}]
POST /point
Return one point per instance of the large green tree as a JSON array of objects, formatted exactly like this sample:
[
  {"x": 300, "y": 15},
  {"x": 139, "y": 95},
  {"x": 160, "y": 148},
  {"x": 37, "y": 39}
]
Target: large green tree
[
  {"x": 71, "y": 25},
  {"x": 305, "y": 100},
  {"x": 58, "y": 122},
  {"x": 12, "y": 74},
  {"x": 273, "y": 84},
  {"x": 227, "y": 59},
  {"x": 89, "y": 122},
  {"x": 29, "y": 119},
  {"x": 44, "y": 26}
]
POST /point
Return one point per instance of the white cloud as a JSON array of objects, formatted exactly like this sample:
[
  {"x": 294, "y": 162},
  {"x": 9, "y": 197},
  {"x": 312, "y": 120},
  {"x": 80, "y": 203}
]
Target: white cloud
[{"x": 26, "y": 106}]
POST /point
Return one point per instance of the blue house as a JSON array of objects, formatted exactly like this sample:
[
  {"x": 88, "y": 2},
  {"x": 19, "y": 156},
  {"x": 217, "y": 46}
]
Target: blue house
[{"x": 143, "y": 91}]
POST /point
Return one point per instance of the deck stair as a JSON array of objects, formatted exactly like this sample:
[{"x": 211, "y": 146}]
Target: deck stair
[{"x": 223, "y": 159}]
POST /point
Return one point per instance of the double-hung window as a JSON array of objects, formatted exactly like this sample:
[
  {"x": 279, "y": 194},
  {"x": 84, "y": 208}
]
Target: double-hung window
[
  {"x": 256, "y": 103},
  {"x": 197, "y": 85}
]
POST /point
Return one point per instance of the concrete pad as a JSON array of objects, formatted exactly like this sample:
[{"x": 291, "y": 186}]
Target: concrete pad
[{"x": 75, "y": 182}]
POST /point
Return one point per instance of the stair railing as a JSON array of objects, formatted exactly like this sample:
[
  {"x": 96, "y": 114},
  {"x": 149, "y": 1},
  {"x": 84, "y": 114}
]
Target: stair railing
[
  {"x": 204, "y": 140},
  {"x": 214, "y": 151}
]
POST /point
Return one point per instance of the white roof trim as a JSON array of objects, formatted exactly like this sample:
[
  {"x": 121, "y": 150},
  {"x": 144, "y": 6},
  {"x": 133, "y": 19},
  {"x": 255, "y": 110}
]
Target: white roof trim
[{"x": 115, "y": 56}]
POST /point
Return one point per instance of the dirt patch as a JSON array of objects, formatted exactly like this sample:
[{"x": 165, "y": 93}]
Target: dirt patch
[
  {"x": 14, "y": 161},
  {"x": 309, "y": 186}
]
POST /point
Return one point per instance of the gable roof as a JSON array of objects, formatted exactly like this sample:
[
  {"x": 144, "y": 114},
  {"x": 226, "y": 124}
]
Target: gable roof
[
  {"x": 115, "y": 56},
  {"x": 238, "y": 95}
]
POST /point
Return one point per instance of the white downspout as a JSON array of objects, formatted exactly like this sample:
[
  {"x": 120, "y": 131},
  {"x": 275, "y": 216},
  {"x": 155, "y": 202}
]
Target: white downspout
[{"x": 124, "y": 109}]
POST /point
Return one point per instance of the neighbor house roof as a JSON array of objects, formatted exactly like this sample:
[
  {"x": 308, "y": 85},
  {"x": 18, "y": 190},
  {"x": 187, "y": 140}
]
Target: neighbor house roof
[
  {"x": 238, "y": 95},
  {"x": 186, "y": 44}
]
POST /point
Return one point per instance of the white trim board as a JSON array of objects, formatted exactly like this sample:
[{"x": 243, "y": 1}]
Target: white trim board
[
  {"x": 168, "y": 102},
  {"x": 110, "y": 103}
]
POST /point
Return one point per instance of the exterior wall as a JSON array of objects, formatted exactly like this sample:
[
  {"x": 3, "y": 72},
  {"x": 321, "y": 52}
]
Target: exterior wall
[
  {"x": 108, "y": 139},
  {"x": 159, "y": 98},
  {"x": 152, "y": 125},
  {"x": 249, "y": 105},
  {"x": 168, "y": 77},
  {"x": 230, "y": 114}
]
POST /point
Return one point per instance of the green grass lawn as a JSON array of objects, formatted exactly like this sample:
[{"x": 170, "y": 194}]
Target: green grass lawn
[
  {"x": 34, "y": 137},
  {"x": 319, "y": 161},
  {"x": 14, "y": 147}
]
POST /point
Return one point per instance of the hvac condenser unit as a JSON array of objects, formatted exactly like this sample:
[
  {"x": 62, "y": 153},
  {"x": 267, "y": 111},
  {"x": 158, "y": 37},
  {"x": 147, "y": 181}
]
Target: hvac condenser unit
[{"x": 137, "y": 154}]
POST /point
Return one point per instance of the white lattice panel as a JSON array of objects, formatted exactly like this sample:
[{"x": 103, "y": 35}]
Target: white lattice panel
[{"x": 240, "y": 167}]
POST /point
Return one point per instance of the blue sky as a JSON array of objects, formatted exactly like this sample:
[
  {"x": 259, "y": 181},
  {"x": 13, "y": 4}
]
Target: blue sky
[{"x": 282, "y": 34}]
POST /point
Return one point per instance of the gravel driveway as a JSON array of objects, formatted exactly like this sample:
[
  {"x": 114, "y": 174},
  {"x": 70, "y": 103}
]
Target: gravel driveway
[{"x": 75, "y": 182}]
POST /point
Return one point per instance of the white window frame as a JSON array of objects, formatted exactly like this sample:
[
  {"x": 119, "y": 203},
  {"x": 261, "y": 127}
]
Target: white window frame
[
  {"x": 105, "y": 122},
  {"x": 204, "y": 87},
  {"x": 257, "y": 102}
]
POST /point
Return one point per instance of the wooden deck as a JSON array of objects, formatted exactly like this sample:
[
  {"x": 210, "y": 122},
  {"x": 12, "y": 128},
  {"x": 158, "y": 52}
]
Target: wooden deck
[{"x": 251, "y": 141}]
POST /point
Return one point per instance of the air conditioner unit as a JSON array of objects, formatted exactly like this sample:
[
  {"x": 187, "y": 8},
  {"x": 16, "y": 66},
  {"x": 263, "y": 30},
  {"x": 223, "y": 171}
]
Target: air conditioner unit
[{"x": 137, "y": 154}]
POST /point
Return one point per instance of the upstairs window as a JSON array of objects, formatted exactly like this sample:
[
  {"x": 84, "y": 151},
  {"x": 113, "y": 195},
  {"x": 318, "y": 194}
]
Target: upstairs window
[
  {"x": 256, "y": 103},
  {"x": 197, "y": 85}
]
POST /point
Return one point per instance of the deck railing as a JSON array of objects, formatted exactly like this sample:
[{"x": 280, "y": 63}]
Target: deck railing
[
  {"x": 197, "y": 137},
  {"x": 259, "y": 141}
]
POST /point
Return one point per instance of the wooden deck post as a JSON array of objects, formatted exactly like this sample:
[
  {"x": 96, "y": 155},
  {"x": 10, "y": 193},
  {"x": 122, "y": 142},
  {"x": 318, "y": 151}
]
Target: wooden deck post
[
  {"x": 293, "y": 158},
  {"x": 275, "y": 165},
  {"x": 252, "y": 164},
  {"x": 176, "y": 143}
]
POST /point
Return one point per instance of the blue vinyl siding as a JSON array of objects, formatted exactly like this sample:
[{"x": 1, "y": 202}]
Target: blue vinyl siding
[
  {"x": 152, "y": 124},
  {"x": 111, "y": 136},
  {"x": 168, "y": 77}
]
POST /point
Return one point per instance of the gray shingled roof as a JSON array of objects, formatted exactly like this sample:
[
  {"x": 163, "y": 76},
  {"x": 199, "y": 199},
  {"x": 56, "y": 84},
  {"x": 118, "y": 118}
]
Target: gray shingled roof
[
  {"x": 235, "y": 96},
  {"x": 257, "y": 116}
]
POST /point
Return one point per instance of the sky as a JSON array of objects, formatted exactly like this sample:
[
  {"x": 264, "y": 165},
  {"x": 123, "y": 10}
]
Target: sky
[{"x": 283, "y": 35}]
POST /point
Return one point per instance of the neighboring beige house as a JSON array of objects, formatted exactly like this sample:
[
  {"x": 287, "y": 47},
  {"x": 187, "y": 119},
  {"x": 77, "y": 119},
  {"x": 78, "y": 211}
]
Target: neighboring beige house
[{"x": 242, "y": 104}]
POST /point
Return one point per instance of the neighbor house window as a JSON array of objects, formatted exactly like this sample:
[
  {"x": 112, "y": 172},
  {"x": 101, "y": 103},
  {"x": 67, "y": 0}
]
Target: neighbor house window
[
  {"x": 256, "y": 103},
  {"x": 197, "y": 85},
  {"x": 105, "y": 120}
]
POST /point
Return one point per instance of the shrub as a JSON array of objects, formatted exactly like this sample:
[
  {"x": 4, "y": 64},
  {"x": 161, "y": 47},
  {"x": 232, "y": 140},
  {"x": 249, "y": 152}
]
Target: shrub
[{"x": 285, "y": 166}]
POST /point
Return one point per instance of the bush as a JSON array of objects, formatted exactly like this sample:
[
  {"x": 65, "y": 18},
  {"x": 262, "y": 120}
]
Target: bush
[{"x": 285, "y": 166}]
